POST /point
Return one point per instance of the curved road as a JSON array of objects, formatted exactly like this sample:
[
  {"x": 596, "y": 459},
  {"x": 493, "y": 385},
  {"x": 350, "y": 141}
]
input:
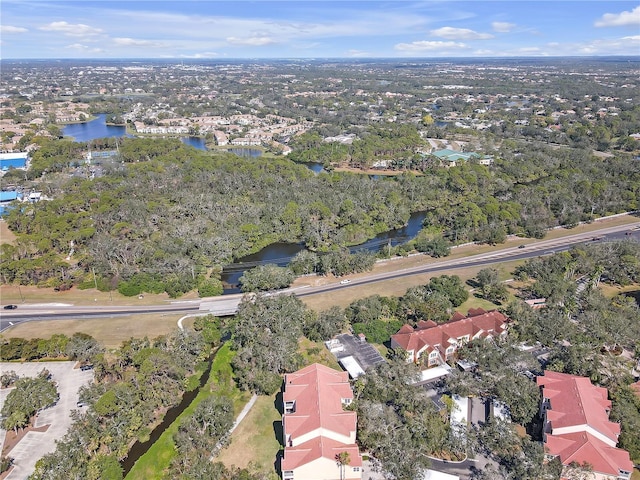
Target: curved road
[{"x": 227, "y": 304}]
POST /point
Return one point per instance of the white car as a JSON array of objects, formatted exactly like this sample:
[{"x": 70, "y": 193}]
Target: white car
[{"x": 345, "y": 281}]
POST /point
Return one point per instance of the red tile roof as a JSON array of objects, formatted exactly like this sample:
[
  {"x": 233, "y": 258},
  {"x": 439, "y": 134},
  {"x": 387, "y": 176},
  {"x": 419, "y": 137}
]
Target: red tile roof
[
  {"x": 319, "y": 447},
  {"x": 477, "y": 324},
  {"x": 578, "y": 413},
  {"x": 576, "y": 401},
  {"x": 318, "y": 392},
  {"x": 582, "y": 447},
  {"x": 636, "y": 387}
]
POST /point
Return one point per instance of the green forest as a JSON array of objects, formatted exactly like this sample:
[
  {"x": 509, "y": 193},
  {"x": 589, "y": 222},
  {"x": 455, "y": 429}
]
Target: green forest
[{"x": 167, "y": 217}]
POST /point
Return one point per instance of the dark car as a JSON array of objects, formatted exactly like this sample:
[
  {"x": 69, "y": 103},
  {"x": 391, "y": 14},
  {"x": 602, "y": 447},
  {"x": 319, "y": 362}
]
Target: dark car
[
  {"x": 521, "y": 246},
  {"x": 10, "y": 307},
  {"x": 84, "y": 368}
]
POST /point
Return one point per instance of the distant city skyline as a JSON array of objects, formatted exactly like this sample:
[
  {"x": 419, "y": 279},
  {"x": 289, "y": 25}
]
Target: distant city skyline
[{"x": 308, "y": 29}]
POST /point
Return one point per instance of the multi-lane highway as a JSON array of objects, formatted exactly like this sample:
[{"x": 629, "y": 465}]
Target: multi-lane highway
[{"x": 227, "y": 304}]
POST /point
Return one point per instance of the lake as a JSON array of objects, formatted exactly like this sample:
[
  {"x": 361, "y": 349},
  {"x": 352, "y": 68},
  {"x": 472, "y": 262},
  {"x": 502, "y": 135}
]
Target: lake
[{"x": 96, "y": 128}]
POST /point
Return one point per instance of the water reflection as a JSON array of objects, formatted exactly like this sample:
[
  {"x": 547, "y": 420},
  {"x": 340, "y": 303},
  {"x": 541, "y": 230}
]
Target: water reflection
[
  {"x": 195, "y": 142},
  {"x": 282, "y": 253},
  {"x": 245, "y": 152}
]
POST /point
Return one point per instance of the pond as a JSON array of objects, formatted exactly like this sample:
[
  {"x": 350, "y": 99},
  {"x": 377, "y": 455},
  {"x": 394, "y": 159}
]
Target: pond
[
  {"x": 195, "y": 142},
  {"x": 96, "y": 128},
  {"x": 245, "y": 152}
]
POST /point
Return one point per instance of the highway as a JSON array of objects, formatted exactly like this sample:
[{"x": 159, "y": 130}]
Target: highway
[{"x": 227, "y": 304}]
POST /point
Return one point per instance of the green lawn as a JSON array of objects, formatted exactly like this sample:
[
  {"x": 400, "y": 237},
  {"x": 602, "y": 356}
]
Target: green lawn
[
  {"x": 255, "y": 442},
  {"x": 152, "y": 464}
]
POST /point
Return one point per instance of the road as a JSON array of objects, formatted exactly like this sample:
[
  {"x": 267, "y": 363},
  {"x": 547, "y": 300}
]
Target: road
[{"x": 227, "y": 304}]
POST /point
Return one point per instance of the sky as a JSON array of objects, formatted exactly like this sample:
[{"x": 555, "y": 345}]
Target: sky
[{"x": 309, "y": 29}]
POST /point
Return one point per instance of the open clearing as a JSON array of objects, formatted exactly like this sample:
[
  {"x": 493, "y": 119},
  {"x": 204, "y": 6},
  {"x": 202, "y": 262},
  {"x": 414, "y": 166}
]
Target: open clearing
[
  {"x": 398, "y": 287},
  {"x": 254, "y": 440},
  {"x": 110, "y": 332},
  {"x": 6, "y": 235}
]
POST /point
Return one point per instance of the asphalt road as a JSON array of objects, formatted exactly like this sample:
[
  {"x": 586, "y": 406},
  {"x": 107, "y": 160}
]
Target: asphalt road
[{"x": 226, "y": 304}]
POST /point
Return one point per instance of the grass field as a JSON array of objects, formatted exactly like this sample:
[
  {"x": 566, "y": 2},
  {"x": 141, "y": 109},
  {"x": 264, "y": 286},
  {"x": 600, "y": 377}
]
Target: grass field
[
  {"x": 110, "y": 332},
  {"x": 398, "y": 287},
  {"x": 254, "y": 443},
  {"x": 6, "y": 235}
]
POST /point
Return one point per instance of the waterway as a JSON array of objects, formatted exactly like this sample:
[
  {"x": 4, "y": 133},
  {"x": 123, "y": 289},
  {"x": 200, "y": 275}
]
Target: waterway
[
  {"x": 96, "y": 128},
  {"x": 140, "y": 448},
  {"x": 635, "y": 294},
  {"x": 282, "y": 253}
]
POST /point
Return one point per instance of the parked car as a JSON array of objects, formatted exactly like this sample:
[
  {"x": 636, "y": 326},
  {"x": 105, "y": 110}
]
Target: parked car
[
  {"x": 10, "y": 307},
  {"x": 84, "y": 368}
]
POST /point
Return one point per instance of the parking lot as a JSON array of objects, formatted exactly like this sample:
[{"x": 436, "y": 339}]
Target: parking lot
[
  {"x": 34, "y": 445},
  {"x": 365, "y": 354}
]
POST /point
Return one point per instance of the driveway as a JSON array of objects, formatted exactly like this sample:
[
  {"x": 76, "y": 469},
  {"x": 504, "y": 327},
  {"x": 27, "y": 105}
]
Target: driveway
[{"x": 35, "y": 445}]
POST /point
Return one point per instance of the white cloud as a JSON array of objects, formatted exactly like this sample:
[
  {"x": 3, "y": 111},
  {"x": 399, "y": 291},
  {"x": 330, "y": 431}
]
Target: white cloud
[
  {"x": 620, "y": 46},
  {"x": 135, "y": 42},
  {"x": 201, "y": 55},
  {"x": 219, "y": 28},
  {"x": 84, "y": 48},
  {"x": 502, "y": 27},
  {"x": 452, "y": 33},
  {"x": 72, "y": 30},
  {"x": 428, "y": 46},
  {"x": 251, "y": 41},
  {"x": 529, "y": 50},
  {"x": 11, "y": 29},
  {"x": 622, "y": 19},
  {"x": 358, "y": 53}
]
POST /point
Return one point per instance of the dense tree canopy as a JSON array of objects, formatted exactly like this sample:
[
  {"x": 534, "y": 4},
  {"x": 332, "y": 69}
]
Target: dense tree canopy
[{"x": 171, "y": 212}]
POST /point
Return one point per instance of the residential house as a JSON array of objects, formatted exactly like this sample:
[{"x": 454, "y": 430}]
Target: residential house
[
  {"x": 440, "y": 342},
  {"x": 451, "y": 158},
  {"x": 316, "y": 427},
  {"x": 577, "y": 428}
]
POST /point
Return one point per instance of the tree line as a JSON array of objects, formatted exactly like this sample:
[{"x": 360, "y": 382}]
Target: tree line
[{"x": 177, "y": 215}]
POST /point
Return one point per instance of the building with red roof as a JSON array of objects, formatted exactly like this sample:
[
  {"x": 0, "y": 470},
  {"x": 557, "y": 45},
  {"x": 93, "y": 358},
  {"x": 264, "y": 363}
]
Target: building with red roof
[
  {"x": 636, "y": 387},
  {"x": 440, "y": 342},
  {"x": 577, "y": 427},
  {"x": 316, "y": 428}
]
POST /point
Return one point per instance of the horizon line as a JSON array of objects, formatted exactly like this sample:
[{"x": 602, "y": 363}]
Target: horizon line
[{"x": 537, "y": 57}]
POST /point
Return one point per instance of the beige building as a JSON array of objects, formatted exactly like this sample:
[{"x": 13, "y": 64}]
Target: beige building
[{"x": 318, "y": 432}]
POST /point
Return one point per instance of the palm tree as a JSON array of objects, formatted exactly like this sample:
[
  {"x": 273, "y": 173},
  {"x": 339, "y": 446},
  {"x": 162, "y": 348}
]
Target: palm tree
[{"x": 342, "y": 459}]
